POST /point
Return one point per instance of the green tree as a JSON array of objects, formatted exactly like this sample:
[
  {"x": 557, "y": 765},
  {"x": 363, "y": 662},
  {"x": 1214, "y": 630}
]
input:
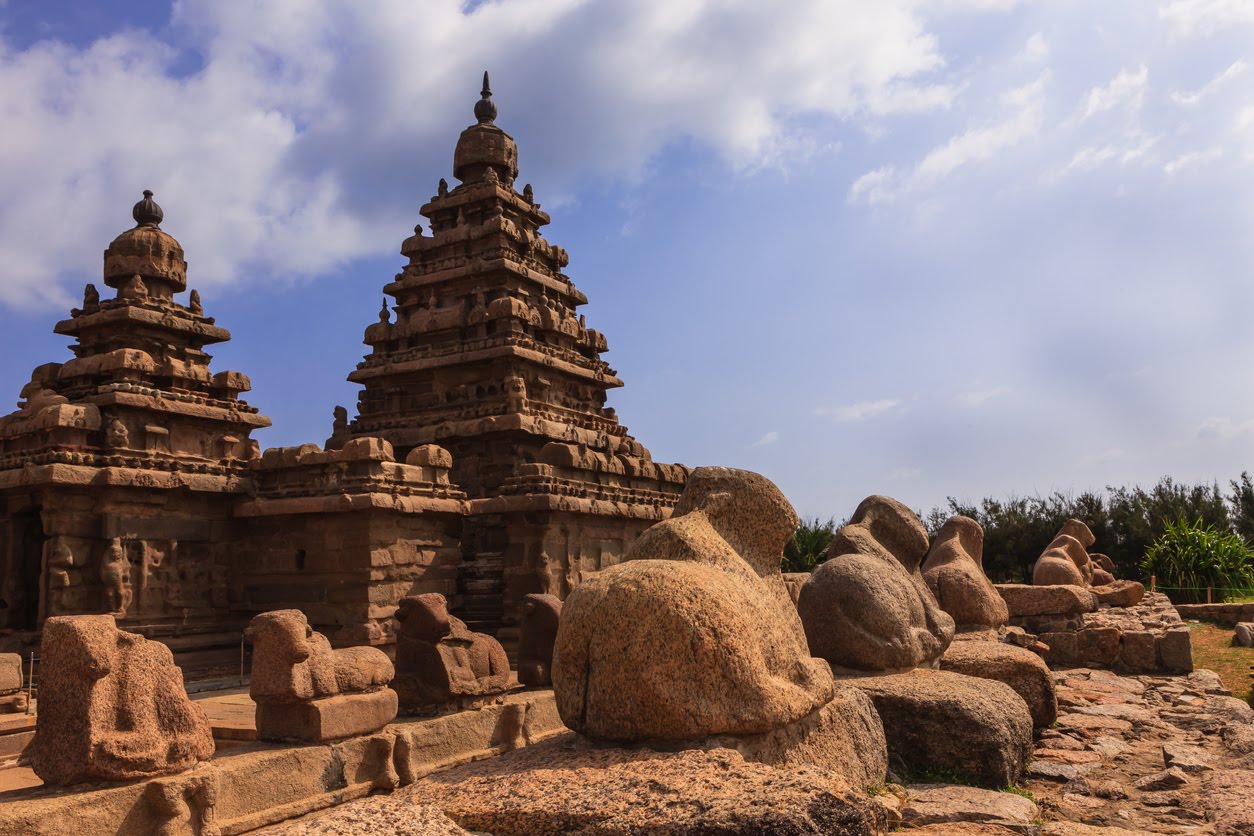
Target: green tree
[{"x": 808, "y": 544}]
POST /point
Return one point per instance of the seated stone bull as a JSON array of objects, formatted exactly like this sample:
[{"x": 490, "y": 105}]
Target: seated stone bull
[
  {"x": 438, "y": 659},
  {"x": 292, "y": 663}
]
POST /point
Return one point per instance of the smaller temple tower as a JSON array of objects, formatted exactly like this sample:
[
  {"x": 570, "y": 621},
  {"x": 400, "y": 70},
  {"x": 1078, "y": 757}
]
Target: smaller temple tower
[{"x": 119, "y": 469}]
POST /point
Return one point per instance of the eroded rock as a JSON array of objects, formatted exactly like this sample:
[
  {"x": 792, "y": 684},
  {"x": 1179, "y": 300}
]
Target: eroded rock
[{"x": 954, "y": 572}]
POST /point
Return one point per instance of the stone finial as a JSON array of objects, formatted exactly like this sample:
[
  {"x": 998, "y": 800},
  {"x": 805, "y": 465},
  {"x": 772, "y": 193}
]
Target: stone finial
[
  {"x": 147, "y": 212},
  {"x": 485, "y": 108},
  {"x": 443, "y": 187},
  {"x": 384, "y": 314}
]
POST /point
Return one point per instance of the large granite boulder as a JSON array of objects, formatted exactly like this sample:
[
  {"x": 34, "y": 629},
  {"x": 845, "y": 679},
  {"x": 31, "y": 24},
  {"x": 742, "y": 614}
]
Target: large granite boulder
[
  {"x": 867, "y": 607},
  {"x": 1080, "y": 531},
  {"x": 1062, "y": 563},
  {"x": 1023, "y": 600},
  {"x": 954, "y": 572},
  {"x": 1118, "y": 593},
  {"x": 943, "y": 721},
  {"x": 111, "y": 706},
  {"x": 694, "y": 633},
  {"x": 566, "y": 785},
  {"x": 1018, "y": 667}
]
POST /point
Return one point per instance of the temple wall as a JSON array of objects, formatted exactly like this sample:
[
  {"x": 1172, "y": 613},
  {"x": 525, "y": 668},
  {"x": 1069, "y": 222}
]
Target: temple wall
[{"x": 346, "y": 571}]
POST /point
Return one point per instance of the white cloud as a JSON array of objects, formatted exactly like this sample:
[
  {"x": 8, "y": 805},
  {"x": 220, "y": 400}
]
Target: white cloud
[
  {"x": 1127, "y": 89},
  {"x": 1224, "y": 428},
  {"x": 861, "y": 411},
  {"x": 1192, "y": 159},
  {"x": 1192, "y": 97},
  {"x": 1205, "y": 17},
  {"x": 978, "y": 397},
  {"x": 768, "y": 439},
  {"x": 1035, "y": 50},
  {"x": 1026, "y": 105},
  {"x": 299, "y": 142}
]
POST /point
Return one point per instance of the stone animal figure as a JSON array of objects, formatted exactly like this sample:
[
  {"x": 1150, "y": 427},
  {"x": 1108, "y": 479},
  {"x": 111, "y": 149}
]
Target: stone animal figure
[
  {"x": 867, "y": 607},
  {"x": 439, "y": 660},
  {"x": 541, "y": 614},
  {"x": 954, "y": 572},
  {"x": 293, "y": 663},
  {"x": 693, "y": 634},
  {"x": 1062, "y": 562},
  {"x": 111, "y": 706}
]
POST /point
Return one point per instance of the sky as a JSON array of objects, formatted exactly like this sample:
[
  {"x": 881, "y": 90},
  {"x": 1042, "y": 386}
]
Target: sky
[{"x": 923, "y": 248}]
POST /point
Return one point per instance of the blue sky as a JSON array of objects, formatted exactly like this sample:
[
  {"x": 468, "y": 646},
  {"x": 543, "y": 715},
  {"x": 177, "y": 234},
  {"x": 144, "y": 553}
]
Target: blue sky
[{"x": 962, "y": 247}]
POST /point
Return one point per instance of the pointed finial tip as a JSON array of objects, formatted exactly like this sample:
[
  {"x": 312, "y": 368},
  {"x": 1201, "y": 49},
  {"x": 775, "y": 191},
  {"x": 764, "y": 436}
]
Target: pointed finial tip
[{"x": 485, "y": 108}]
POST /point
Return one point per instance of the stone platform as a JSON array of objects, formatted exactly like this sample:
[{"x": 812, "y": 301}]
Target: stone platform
[{"x": 251, "y": 784}]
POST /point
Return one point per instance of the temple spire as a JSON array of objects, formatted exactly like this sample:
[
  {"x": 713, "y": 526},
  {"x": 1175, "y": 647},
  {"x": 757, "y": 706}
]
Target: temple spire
[{"x": 485, "y": 108}]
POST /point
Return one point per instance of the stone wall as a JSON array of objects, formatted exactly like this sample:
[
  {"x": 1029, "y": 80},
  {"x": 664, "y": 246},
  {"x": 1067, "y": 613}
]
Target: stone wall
[
  {"x": 1229, "y": 614},
  {"x": 1146, "y": 638}
]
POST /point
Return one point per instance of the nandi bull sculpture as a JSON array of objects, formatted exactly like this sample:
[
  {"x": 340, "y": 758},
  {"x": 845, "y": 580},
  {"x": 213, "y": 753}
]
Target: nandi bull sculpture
[{"x": 306, "y": 691}]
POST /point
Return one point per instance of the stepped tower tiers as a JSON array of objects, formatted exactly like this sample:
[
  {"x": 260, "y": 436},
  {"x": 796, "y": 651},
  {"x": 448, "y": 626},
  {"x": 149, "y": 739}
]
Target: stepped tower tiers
[
  {"x": 120, "y": 462},
  {"x": 488, "y": 358}
]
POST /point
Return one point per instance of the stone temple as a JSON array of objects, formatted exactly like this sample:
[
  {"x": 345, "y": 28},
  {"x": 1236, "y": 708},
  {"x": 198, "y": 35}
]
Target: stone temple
[{"x": 483, "y": 463}]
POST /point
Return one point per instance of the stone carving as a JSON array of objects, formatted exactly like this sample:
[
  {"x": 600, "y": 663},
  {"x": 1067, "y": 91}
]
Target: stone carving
[
  {"x": 306, "y": 691},
  {"x": 12, "y": 697},
  {"x": 115, "y": 578},
  {"x": 339, "y": 429},
  {"x": 111, "y": 706},
  {"x": 443, "y": 188},
  {"x": 134, "y": 290},
  {"x": 385, "y": 315},
  {"x": 1062, "y": 562},
  {"x": 529, "y": 195},
  {"x": 694, "y": 633},
  {"x": 541, "y": 615},
  {"x": 193, "y": 303},
  {"x": 439, "y": 661},
  {"x": 60, "y": 560},
  {"x": 867, "y": 607},
  {"x": 91, "y": 299},
  {"x": 515, "y": 394},
  {"x": 116, "y": 434},
  {"x": 954, "y": 572}
]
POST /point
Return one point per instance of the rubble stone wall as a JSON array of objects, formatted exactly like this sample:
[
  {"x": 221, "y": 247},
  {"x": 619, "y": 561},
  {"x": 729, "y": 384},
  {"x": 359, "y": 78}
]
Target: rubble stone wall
[{"x": 1229, "y": 614}]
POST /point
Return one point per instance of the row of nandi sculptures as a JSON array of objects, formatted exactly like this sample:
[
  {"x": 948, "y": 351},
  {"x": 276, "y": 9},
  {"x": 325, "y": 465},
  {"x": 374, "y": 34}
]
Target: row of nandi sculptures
[{"x": 894, "y": 650}]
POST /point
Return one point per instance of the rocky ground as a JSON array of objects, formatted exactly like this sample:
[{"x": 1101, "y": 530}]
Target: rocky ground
[
  {"x": 1128, "y": 755},
  {"x": 1149, "y": 754}
]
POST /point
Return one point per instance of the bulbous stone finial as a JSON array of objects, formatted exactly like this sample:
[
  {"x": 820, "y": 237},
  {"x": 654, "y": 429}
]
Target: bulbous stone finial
[
  {"x": 485, "y": 108},
  {"x": 147, "y": 212}
]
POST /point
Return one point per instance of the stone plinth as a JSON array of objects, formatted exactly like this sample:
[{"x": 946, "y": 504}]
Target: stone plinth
[{"x": 329, "y": 718}]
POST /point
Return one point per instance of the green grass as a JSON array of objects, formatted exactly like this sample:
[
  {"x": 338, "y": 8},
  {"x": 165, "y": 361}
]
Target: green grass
[{"x": 1213, "y": 650}]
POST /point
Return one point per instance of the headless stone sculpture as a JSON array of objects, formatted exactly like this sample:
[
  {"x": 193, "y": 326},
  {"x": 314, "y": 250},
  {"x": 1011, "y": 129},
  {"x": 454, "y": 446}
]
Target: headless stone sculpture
[
  {"x": 954, "y": 572},
  {"x": 1062, "y": 562},
  {"x": 541, "y": 615},
  {"x": 867, "y": 607},
  {"x": 111, "y": 706},
  {"x": 439, "y": 661},
  {"x": 693, "y": 634}
]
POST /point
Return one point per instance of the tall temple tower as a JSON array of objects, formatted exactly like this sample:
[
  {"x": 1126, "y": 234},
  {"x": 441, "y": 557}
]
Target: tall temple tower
[
  {"x": 488, "y": 358},
  {"x": 120, "y": 468}
]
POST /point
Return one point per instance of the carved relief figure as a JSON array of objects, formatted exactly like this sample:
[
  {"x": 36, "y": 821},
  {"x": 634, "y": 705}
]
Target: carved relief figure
[
  {"x": 115, "y": 577},
  {"x": 91, "y": 299},
  {"x": 116, "y": 434},
  {"x": 515, "y": 394},
  {"x": 339, "y": 429},
  {"x": 194, "y": 303},
  {"x": 541, "y": 614}
]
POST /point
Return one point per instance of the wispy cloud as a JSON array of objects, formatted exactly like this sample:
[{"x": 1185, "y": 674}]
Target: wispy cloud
[
  {"x": 1204, "y": 17},
  {"x": 862, "y": 411},
  {"x": 1189, "y": 98},
  {"x": 770, "y": 438},
  {"x": 978, "y": 397},
  {"x": 1127, "y": 89},
  {"x": 1192, "y": 159},
  {"x": 1224, "y": 428}
]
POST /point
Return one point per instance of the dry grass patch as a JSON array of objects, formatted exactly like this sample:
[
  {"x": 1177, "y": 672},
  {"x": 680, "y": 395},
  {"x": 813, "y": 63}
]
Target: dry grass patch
[{"x": 1212, "y": 649}]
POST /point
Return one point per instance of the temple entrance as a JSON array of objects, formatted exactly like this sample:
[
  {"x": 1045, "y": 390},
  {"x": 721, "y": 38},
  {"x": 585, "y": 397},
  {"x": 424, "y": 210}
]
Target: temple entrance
[{"x": 24, "y": 556}]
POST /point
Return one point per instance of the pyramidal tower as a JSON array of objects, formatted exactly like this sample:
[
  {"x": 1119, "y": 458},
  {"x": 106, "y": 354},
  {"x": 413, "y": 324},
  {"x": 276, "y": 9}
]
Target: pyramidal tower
[{"x": 484, "y": 353}]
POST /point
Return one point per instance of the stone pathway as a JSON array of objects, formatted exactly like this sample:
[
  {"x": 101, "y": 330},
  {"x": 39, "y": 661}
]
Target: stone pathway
[{"x": 1146, "y": 754}]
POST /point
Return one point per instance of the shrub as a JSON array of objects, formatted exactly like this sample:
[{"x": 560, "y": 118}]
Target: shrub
[
  {"x": 1189, "y": 557},
  {"x": 808, "y": 545}
]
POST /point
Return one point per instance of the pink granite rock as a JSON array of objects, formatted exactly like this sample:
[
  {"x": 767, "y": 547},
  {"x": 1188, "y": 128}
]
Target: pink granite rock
[
  {"x": 111, "y": 706},
  {"x": 954, "y": 572},
  {"x": 694, "y": 634},
  {"x": 867, "y": 607}
]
